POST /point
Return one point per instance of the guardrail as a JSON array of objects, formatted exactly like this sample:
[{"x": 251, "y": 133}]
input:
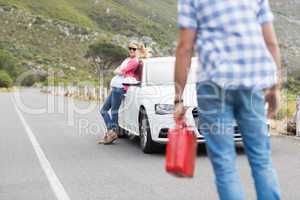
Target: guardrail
[{"x": 82, "y": 92}]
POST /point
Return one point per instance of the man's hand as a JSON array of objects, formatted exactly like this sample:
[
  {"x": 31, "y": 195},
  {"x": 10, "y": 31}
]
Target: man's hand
[
  {"x": 179, "y": 111},
  {"x": 272, "y": 97}
]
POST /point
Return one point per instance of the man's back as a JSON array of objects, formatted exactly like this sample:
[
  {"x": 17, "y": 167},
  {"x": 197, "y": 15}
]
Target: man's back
[{"x": 230, "y": 41}]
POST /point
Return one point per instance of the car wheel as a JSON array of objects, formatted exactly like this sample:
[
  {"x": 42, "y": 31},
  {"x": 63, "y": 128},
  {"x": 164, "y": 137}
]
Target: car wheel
[
  {"x": 146, "y": 142},
  {"x": 122, "y": 133}
]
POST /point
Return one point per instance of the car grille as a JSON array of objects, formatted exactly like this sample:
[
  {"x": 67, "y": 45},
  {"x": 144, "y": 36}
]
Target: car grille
[
  {"x": 237, "y": 133},
  {"x": 164, "y": 131}
]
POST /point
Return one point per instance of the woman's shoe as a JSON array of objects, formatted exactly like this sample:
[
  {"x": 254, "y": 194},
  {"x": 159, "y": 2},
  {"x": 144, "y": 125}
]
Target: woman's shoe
[
  {"x": 103, "y": 140},
  {"x": 111, "y": 137}
]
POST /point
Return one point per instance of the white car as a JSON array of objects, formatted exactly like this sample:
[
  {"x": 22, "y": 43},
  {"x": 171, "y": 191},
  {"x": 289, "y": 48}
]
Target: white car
[{"x": 147, "y": 109}]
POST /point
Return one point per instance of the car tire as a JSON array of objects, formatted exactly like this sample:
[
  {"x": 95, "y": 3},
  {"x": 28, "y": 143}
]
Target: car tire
[
  {"x": 148, "y": 146},
  {"x": 122, "y": 133}
]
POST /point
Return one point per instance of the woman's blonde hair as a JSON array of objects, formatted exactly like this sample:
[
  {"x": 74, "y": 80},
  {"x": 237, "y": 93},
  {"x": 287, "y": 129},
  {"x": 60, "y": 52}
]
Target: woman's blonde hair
[{"x": 143, "y": 51}]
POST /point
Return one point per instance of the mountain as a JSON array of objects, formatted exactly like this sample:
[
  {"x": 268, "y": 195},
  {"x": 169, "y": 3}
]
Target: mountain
[
  {"x": 153, "y": 18},
  {"x": 57, "y": 33},
  {"x": 287, "y": 23}
]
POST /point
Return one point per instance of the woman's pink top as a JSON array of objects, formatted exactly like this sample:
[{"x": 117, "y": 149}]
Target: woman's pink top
[{"x": 130, "y": 69}]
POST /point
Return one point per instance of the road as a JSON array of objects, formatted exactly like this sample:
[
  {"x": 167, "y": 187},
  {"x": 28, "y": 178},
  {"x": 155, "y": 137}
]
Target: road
[{"x": 50, "y": 153}]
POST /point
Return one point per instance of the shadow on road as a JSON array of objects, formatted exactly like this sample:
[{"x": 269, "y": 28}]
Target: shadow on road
[{"x": 161, "y": 149}]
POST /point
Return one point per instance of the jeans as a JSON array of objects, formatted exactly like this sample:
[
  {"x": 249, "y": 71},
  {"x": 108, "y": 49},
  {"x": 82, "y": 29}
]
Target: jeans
[
  {"x": 218, "y": 109},
  {"x": 112, "y": 103}
]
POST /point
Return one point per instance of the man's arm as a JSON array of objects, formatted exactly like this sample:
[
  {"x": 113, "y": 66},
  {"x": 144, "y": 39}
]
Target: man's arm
[
  {"x": 272, "y": 44},
  {"x": 272, "y": 96},
  {"x": 184, "y": 53}
]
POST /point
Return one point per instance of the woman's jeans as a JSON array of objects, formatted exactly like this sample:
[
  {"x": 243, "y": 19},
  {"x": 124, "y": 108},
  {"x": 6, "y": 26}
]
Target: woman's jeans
[
  {"x": 218, "y": 108},
  {"x": 112, "y": 103}
]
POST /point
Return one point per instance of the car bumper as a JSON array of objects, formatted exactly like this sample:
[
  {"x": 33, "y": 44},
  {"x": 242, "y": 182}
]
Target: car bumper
[
  {"x": 164, "y": 122},
  {"x": 163, "y": 136},
  {"x": 160, "y": 125}
]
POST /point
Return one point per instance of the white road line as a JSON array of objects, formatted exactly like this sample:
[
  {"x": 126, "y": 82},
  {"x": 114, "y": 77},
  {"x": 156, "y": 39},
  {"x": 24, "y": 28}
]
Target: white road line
[{"x": 53, "y": 180}]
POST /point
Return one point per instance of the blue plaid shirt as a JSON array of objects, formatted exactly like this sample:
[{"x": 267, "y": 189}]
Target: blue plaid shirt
[{"x": 230, "y": 43}]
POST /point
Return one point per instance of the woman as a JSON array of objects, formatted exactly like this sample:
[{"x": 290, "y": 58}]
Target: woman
[{"x": 113, "y": 101}]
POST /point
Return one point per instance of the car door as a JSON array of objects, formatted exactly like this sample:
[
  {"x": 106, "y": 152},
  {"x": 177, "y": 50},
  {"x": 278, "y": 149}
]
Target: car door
[{"x": 131, "y": 109}]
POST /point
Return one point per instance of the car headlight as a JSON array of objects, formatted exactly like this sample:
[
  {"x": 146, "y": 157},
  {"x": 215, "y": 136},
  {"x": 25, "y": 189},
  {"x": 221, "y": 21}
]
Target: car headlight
[{"x": 164, "y": 109}]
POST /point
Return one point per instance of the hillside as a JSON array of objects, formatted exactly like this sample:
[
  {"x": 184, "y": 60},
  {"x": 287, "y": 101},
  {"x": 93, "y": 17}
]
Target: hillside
[
  {"x": 287, "y": 22},
  {"x": 57, "y": 33},
  {"x": 155, "y": 19}
]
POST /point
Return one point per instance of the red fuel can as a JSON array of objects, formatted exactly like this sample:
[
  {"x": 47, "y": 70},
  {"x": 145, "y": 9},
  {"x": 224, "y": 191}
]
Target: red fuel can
[{"x": 181, "y": 151}]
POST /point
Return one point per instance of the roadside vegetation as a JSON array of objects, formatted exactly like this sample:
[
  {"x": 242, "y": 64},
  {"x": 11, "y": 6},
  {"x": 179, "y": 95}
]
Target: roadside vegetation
[
  {"x": 57, "y": 41},
  {"x": 51, "y": 38}
]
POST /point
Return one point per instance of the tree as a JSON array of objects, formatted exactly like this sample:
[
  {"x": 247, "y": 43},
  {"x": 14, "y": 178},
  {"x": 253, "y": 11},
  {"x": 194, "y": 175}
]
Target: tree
[
  {"x": 8, "y": 63},
  {"x": 104, "y": 56},
  {"x": 30, "y": 80},
  {"x": 5, "y": 79}
]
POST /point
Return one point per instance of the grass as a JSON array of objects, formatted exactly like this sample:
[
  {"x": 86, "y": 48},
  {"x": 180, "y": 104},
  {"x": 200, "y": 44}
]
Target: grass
[
  {"x": 291, "y": 104},
  {"x": 287, "y": 105},
  {"x": 156, "y": 19},
  {"x": 291, "y": 108},
  {"x": 131, "y": 18},
  {"x": 38, "y": 44},
  {"x": 44, "y": 44},
  {"x": 4, "y": 90},
  {"x": 54, "y": 9}
]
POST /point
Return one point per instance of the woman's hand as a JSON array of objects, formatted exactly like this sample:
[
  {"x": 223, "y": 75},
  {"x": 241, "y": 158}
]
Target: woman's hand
[{"x": 118, "y": 71}]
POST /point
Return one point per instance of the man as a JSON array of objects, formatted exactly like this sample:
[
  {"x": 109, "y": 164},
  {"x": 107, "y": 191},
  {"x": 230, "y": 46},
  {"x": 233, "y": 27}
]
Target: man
[
  {"x": 238, "y": 50},
  {"x": 113, "y": 101}
]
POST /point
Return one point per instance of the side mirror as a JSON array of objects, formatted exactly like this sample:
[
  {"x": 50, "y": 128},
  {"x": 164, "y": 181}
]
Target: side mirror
[{"x": 132, "y": 84}]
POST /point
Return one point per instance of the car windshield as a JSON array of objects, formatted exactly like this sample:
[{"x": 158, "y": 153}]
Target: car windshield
[{"x": 162, "y": 73}]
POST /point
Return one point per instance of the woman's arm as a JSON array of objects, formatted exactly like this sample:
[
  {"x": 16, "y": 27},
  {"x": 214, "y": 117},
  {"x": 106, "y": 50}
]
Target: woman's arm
[
  {"x": 118, "y": 71},
  {"x": 131, "y": 66}
]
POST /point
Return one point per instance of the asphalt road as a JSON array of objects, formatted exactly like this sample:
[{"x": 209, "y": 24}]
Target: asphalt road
[{"x": 52, "y": 154}]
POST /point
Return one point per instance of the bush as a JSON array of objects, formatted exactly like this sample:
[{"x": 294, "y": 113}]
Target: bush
[
  {"x": 29, "y": 80},
  {"x": 293, "y": 85},
  {"x": 8, "y": 63},
  {"x": 5, "y": 79}
]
